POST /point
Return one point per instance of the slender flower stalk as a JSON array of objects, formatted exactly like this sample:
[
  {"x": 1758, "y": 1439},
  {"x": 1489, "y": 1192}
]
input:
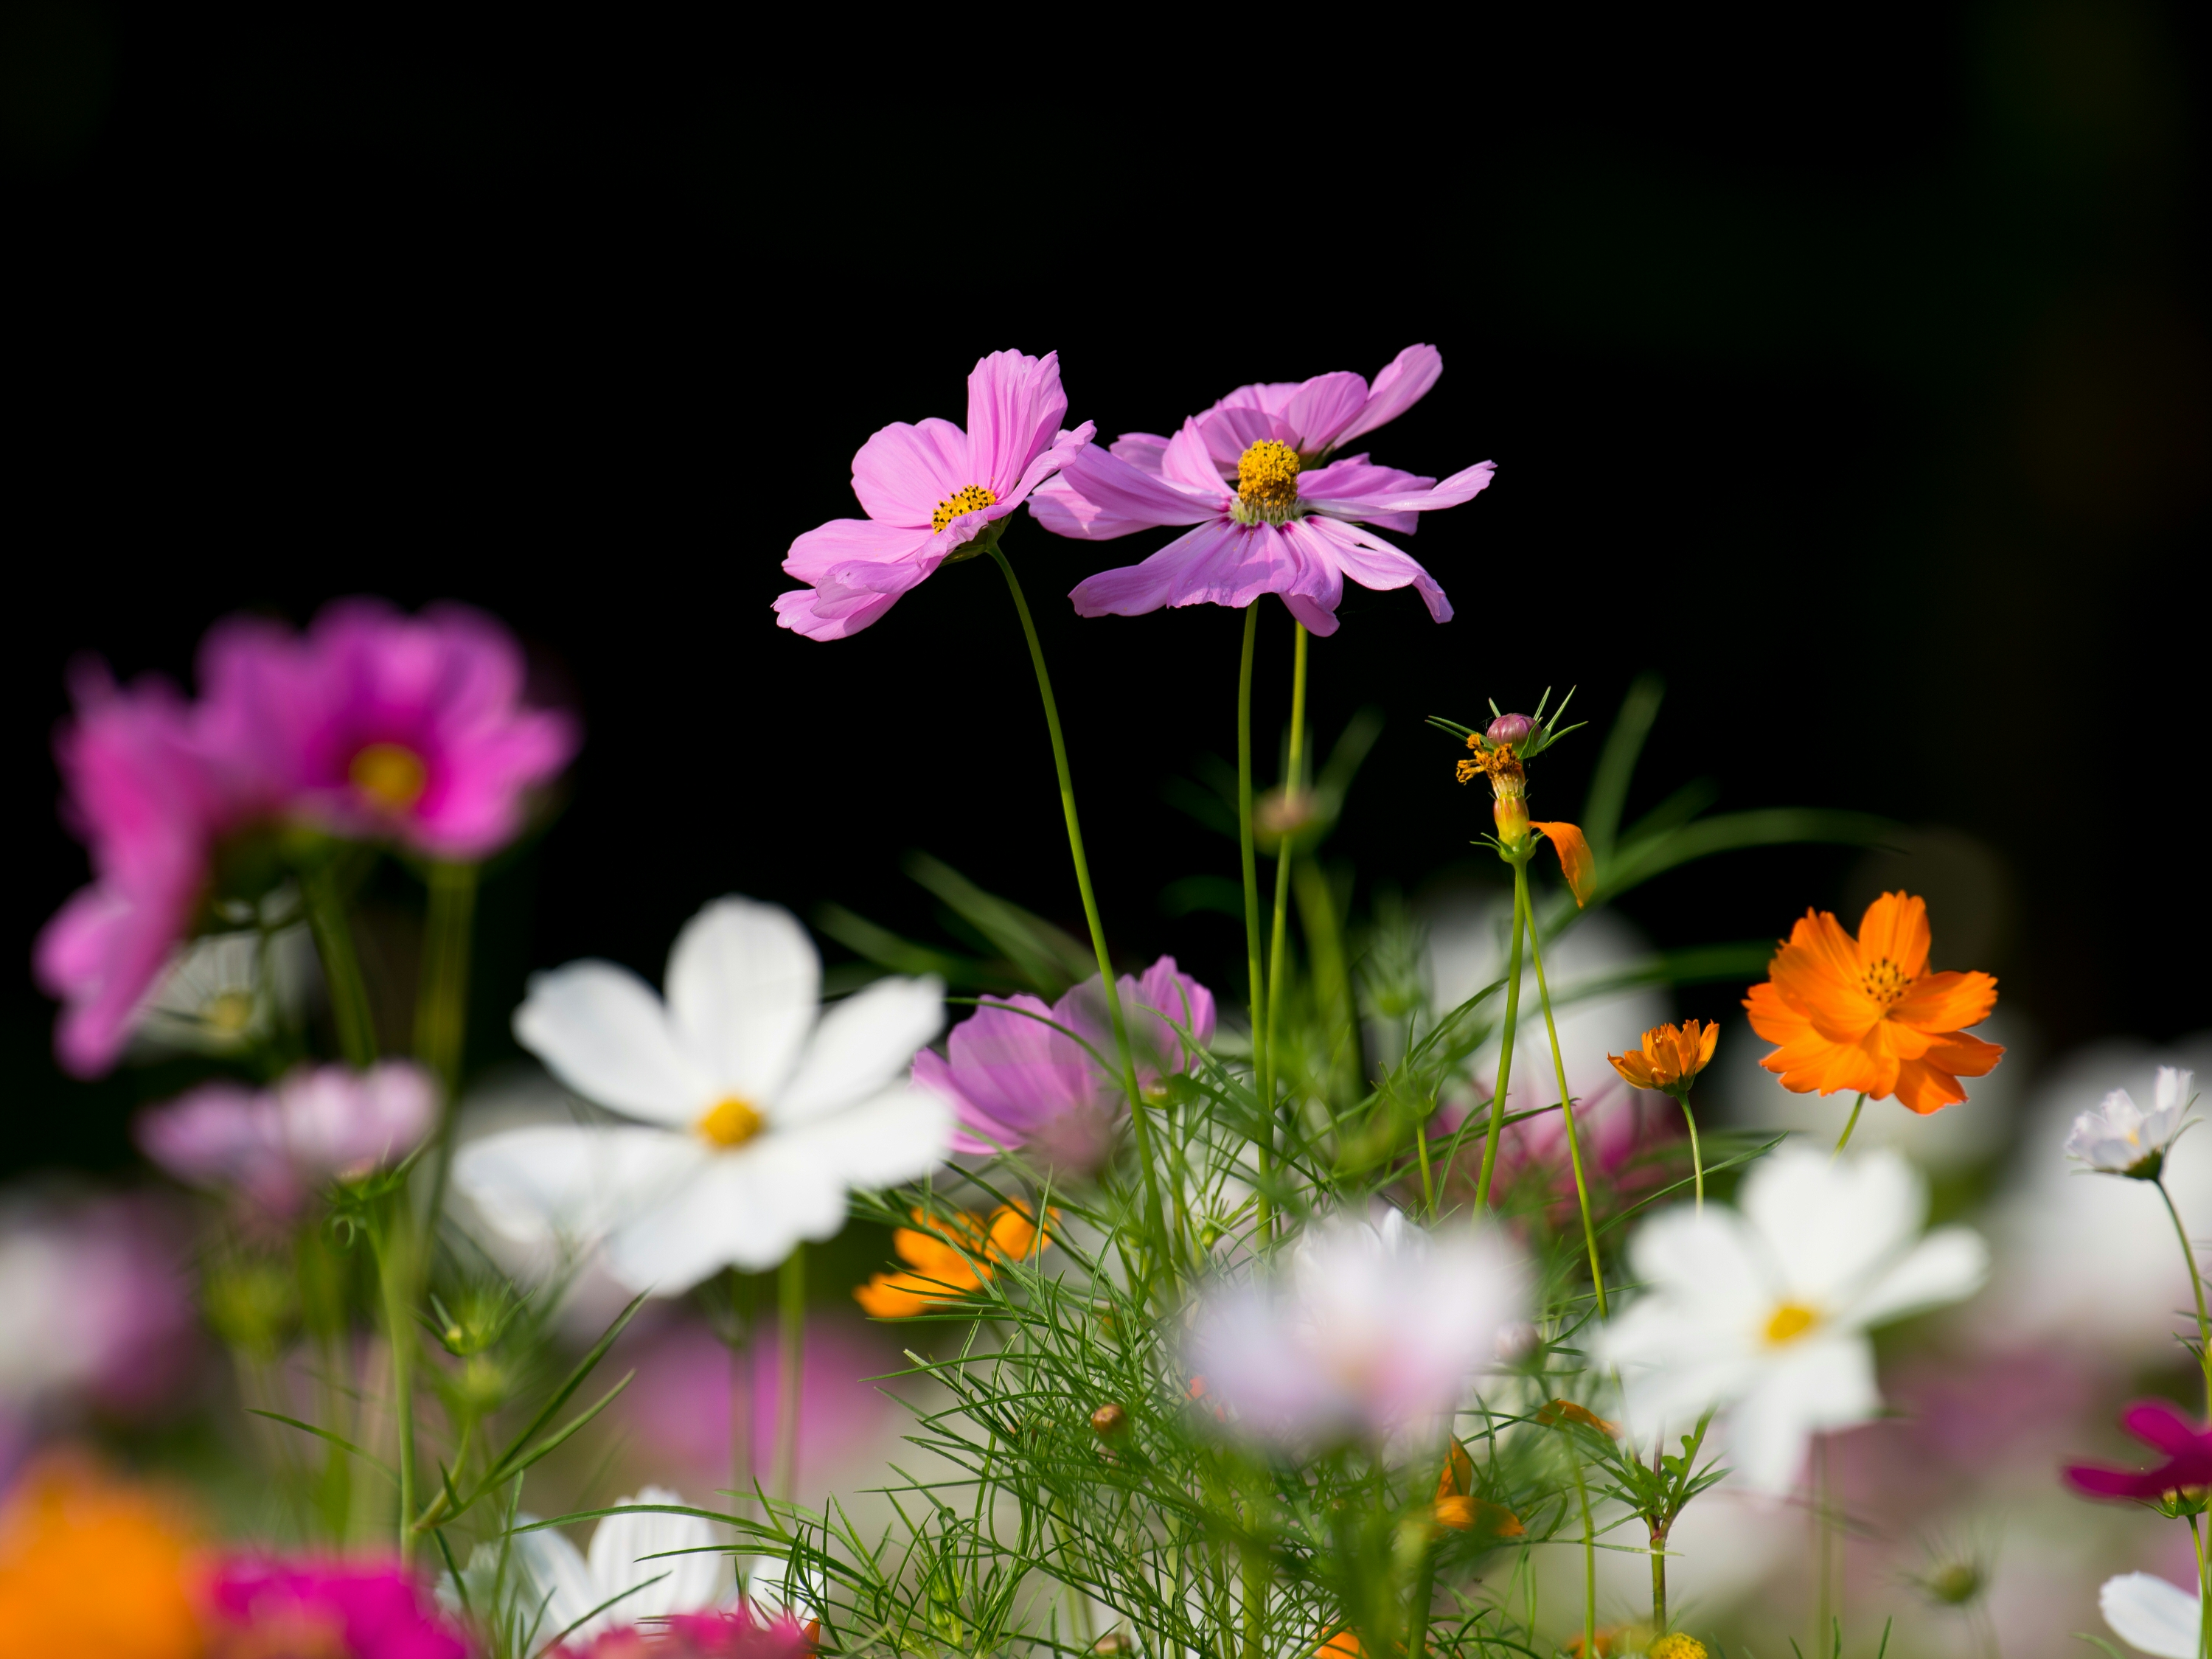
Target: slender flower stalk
[
  {"x": 791, "y": 1305},
  {"x": 1850, "y": 1124},
  {"x": 441, "y": 1007},
  {"x": 1559, "y": 1071},
  {"x": 1279, "y": 939},
  {"x": 333, "y": 935},
  {"x": 1264, "y": 1143},
  {"x": 2196, "y": 1288}
]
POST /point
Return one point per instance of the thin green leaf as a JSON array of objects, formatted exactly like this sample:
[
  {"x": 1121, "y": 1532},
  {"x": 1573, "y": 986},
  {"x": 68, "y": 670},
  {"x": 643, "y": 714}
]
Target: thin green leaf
[
  {"x": 375, "y": 1462},
  {"x": 1616, "y": 765}
]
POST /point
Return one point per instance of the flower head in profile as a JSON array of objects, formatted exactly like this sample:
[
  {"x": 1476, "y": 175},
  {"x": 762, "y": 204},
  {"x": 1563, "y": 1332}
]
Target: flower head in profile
[
  {"x": 752, "y": 1109},
  {"x": 2186, "y": 1448},
  {"x": 2153, "y": 1616},
  {"x": 1273, "y": 509},
  {"x": 92, "y": 1565},
  {"x": 1373, "y": 1330},
  {"x": 947, "y": 1256},
  {"x": 274, "y": 1147},
  {"x": 933, "y": 493},
  {"x": 1020, "y": 1073},
  {"x": 346, "y": 1609},
  {"x": 2119, "y": 1138},
  {"x": 381, "y": 725},
  {"x": 1671, "y": 1056},
  {"x": 1764, "y": 1312},
  {"x": 1865, "y": 1014}
]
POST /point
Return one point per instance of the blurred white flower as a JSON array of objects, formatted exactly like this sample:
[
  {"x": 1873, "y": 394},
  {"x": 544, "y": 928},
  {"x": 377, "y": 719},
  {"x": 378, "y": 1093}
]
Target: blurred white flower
[
  {"x": 1765, "y": 1312},
  {"x": 761, "y": 1109},
  {"x": 2119, "y": 1138},
  {"x": 631, "y": 1573},
  {"x": 2151, "y": 1615},
  {"x": 223, "y": 992},
  {"x": 1373, "y": 1328}
]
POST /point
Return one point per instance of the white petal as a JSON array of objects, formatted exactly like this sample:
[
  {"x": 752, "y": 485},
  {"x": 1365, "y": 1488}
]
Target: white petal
[
  {"x": 2151, "y": 1615},
  {"x": 557, "y": 1182},
  {"x": 862, "y": 1046},
  {"x": 901, "y": 1134},
  {"x": 1709, "y": 1262},
  {"x": 1950, "y": 1265},
  {"x": 2172, "y": 1092},
  {"x": 747, "y": 1210},
  {"x": 1829, "y": 1223},
  {"x": 744, "y": 983},
  {"x": 622, "y": 1543},
  {"x": 601, "y": 1031},
  {"x": 556, "y": 1577},
  {"x": 1820, "y": 1383}
]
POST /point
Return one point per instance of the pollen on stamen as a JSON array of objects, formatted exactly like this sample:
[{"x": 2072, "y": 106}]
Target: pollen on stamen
[
  {"x": 730, "y": 1122},
  {"x": 1884, "y": 982},
  {"x": 1266, "y": 484},
  {"x": 974, "y": 499}
]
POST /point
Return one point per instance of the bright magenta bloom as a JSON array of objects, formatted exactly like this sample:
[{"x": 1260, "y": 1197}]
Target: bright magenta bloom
[
  {"x": 1273, "y": 510},
  {"x": 2187, "y": 1449},
  {"x": 929, "y": 490},
  {"x": 376, "y": 725},
  {"x": 736, "y": 1633},
  {"x": 340, "y": 1609}
]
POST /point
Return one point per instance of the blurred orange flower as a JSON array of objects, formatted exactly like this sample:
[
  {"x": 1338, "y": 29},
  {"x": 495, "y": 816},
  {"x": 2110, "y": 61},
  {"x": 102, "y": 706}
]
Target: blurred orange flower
[
  {"x": 95, "y": 1568},
  {"x": 1671, "y": 1055},
  {"x": 1866, "y": 1014},
  {"x": 949, "y": 1256},
  {"x": 1342, "y": 1646}
]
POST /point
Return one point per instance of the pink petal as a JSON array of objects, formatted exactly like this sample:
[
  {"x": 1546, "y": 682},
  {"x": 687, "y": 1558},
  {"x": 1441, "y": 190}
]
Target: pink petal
[
  {"x": 1188, "y": 463},
  {"x": 1324, "y": 407},
  {"x": 842, "y": 541},
  {"x": 1402, "y": 384},
  {"x": 904, "y": 471},
  {"x": 1142, "y": 450},
  {"x": 796, "y": 611},
  {"x": 1098, "y": 496},
  {"x": 1064, "y": 448},
  {"x": 1462, "y": 486},
  {"x": 1345, "y": 488},
  {"x": 1373, "y": 562},
  {"x": 1015, "y": 406},
  {"x": 1216, "y": 563},
  {"x": 1229, "y": 432}
]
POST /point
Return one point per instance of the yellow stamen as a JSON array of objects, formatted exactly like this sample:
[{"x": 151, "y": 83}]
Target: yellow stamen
[
  {"x": 1266, "y": 484},
  {"x": 391, "y": 774},
  {"x": 230, "y": 1013},
  {"x": 1789, "y": 1322},
  {"x": 974, "y": 499},
  {"x": 730, "y": 1122},
  {"x": 1883, "y": 980}
]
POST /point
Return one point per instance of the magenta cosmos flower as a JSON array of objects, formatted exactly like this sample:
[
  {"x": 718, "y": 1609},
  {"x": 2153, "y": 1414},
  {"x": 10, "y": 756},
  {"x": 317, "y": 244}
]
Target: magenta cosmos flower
[
  {"x": 1015, "y": 1079},
  {"x": 2187, "y": 1449},
  {"x": 732, "y": 1634},
  {"x": 273, "y": 1147},
  {"x": 377, "y": 725},
  {"x": 1272, "y": 510},
  {"x": 340, "y": 1609},
  {"x": 932, "y": 493}
]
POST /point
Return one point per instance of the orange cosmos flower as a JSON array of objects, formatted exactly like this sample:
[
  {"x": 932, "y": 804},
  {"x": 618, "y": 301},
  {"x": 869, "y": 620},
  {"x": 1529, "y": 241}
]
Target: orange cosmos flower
[
  {"x": 1866, "y": 1014},
  {"x": 1457, "y": 1508},
  {"x": 949, "y": 1255},
  {"x": 95, "y": 1568},
  {"x": 1670, "y": 1057},
  {"x": 1344, "y": 1644}
]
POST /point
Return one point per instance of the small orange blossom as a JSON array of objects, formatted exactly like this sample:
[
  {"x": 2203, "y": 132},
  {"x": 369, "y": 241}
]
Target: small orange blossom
[
  {"x": 95, "y": 1568},
  {"x": 1670, "y": 1057},
  {"x": 949, "y": 1256}
]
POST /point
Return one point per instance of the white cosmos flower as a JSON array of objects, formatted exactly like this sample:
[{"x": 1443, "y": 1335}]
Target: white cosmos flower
[
  {"x": 1765, "y": 1312},
  {"x": 647, "y": 1566},
  {"x": 759, "y": 1108},
  {"x": 2151, "y": 1615},
  {"x": 2120, "y": 1138}
]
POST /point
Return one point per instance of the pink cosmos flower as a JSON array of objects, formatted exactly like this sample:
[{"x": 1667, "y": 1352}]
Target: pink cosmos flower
[
  {"x": 148, "y": 807},
  {"x": 736, "y": 1633},
  {"x": 342, "y": 1609},
  {"x": 932, "y": 493},
  {"x": 1015, "y": 1080},
  {"x": 1274, "y": 511},
  {"x": 377, "y": 724},
  {"x": 2158, "y": 1424},
  {"x": 274, "y": 1147}
]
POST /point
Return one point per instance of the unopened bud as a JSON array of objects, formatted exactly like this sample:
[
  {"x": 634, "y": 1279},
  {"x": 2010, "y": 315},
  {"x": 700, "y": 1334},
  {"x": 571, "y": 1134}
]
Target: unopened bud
[
  {"x": 1109, "y": 1420},
  {"x": 1514, "y": 729}
]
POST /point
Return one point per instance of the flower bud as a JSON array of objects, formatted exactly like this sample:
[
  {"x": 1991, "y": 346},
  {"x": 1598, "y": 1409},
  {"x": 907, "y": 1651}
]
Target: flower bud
[
  {"x": 1514, "y": 729},
  {"x": 1510, "y": 812},
  {"x": 1109, "y": 1421}
]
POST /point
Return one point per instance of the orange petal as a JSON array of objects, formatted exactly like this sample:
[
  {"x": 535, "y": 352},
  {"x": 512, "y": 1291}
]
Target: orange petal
[
  {"x": 1946, "y": 1002},
  {"x": 1923, "y": 1088},
  {"x": 1013, "y": 1233},
  {"x": 1708, "y": 1042},
  {"x": 1772, "y": 1016},
  {"x": 895, "y": 1295},
  {"x": 1895, "y": 925},
  {"x": 1635, "y": 1070},
  {"x": 1963, "y": 1055},
  {"x": 1457, "y": 1479},
  {"x": 1455, "y": 1511},
  {"x": 1575, "y": 860}
]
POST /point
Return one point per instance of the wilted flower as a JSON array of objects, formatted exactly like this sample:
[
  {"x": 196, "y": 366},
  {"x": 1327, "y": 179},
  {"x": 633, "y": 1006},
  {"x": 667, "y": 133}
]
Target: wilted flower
[
  {"x": 375, "y": 724},
  {"x": 1766, "y": 1312},
  {"x": 1671, "y": 1056},
  {"x": 1373, "y": 1330},
  {"x": 761, "y": 1109},
  {"x": 1866, "y": 1015},
  {"x": 932, "y": 493},
  {"x": 344, "y": 1610},
  {"x": 1274, "y": 512},
  {"x": 88, "y": 1565},
  {"x": 2158, "y": 1424},
  {"x": 949, "y": 1255},
  {"x": 2119, "y": 1138},
  {"x": 1014, "y": 1079},
  {"x": 2153, "y": 1616},
  {"x": 274, "y": 1147}
]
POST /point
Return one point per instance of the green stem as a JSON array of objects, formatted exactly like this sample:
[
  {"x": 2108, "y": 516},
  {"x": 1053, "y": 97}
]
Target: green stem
[
  {"x": 2197, "y": 1288},
  {"x": 333, "y": 936},
  {"x": 791, "y": 1305},
  {"x": 1696, "y": 1158},
  {"x": 2203, "y": 1589},
  {"x": 1278, "y": 945},
  {"x": 741, "y": 1391},
  {"x": 1521, "y": 903},
  {"x": 1264, "y": 1141},
  {"x": 395, "y": 1276},
  {"x": 1589, "y": 1562},
  {"x": 441, "y": 1006},
  {"x": 1659, "y": 1579},
  {"x": 1417, "y": 1613},
  {"x": 1257, "y": 1580},
  {"x": 1823, "y": 1538},
  {"x": 1155, "y": 1216},
  {"x": 1850, "y": 1124},
  {"x": 1504, "y": 1071},
  {"x": 1332, "y": 978}
]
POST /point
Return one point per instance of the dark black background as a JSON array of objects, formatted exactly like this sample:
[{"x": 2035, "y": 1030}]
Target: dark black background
[{"x": 1846, "y": 364}]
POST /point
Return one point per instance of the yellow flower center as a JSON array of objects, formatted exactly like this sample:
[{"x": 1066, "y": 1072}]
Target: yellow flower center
[
  {"x": 730, "y": 1122},
  {"x": 230, "y": 1013},
  {"x": 1266, "y": 484},
  {"x": 390, "y": 773},
  {"x": 1884, "y": 981},
  {"x": 974, "y": 499},
  {"x": 1789, "y": 1322}
]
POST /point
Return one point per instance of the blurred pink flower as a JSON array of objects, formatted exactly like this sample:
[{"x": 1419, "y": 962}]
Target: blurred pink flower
[
  {"x": 736, "y": 1633},
  {"x": 928, "y": 491},
  {"x": 2160, "y": 1426},
  {"x": 274, "y": 1147},
  {"x": 1273, "y": 508},
  {"x": 376, "y": 724},
  {"x": 1015, "y": 1080},
  {"x": 340, "y": 1609},
  {"x": 148, "y": 807}
]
